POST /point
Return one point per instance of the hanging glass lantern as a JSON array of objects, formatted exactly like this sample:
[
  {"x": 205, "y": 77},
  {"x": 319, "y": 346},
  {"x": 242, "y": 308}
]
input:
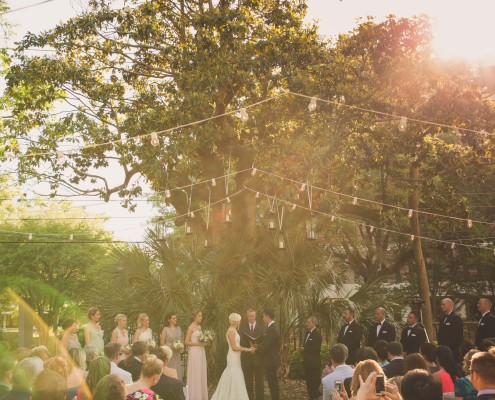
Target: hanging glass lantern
[
  {"x": 271, "y": 221},
  {"x": 281, "y": 241},
  {"x": 188, "y": 227},
  {"x": 227, "y": 212},
  {"x": 160, "y": 231},
  {"x": 311, "y": 228}
]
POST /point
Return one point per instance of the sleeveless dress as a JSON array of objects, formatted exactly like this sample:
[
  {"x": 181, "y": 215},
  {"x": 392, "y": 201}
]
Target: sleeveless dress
[
  {"x": 122, "y": 338},
  {"x": 96, "y": 338},
  {"x": 232, "y": 384},
  {"x": 175, "y": 362},
  {"x": 146, "y": 335},
  {"x": 196, "y": 370}
]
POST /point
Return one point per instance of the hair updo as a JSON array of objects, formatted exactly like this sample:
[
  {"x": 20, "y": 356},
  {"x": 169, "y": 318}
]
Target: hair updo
[{"x": 234, "y": 317}]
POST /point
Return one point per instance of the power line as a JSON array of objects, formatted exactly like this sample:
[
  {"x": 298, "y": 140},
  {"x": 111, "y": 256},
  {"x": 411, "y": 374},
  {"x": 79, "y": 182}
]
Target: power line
[{"x": 26, "y": 7}]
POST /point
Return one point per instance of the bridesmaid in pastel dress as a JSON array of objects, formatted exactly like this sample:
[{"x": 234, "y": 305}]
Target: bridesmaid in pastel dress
[
  {"x": 143, "y": 332},
  {"x": 196, "y": 363},
  {"x": 169, "y": 334},
  {"x": 93, "y": 334},
  {"x": 69, "y": 339},
  {"x": 120, "y": 334}
]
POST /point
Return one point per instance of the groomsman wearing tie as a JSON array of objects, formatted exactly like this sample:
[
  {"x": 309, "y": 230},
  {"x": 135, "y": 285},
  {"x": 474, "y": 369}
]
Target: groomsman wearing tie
[
  {"x": 486, "y": 324},
  {"x": 311, "y": 358},
  {"x": 413, "y": 335},
  {"x": 382, "y": 329},
  {"x": 350, "y": 334},
  {"x": 450, "y": 329},
  {"x": 252, "y": 365}
]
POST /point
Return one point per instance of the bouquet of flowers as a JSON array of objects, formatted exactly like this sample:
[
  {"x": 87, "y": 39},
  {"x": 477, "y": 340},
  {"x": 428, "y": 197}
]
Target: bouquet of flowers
[
  {"x": 207, "y": 337},
  {"x": 177, "y": 345},
  {"x": 151, "y": 343}
]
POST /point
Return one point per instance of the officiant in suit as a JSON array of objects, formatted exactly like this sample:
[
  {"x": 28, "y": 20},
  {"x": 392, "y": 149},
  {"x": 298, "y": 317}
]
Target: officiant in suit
[
  {"x": 350, "y": 334},
  {"x": 269, "y": 349},
  {"x": 311, "y": 358},
  {"x": 252, "y": 364},
  {"x": 381, "y": 329}
]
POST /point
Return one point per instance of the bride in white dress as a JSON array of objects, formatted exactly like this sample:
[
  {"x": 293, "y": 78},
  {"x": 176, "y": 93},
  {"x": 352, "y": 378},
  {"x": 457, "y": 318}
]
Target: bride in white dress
[{"x": 232, "y": 385}]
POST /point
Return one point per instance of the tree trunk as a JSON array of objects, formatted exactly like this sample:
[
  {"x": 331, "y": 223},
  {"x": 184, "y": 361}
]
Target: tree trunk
[{"x": 423, "y": 284}]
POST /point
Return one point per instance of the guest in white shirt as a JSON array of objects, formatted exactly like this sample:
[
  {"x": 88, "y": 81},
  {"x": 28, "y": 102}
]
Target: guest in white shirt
[
  {"x": 113, "y": 353},
  {"x": 338, "y": 355}
]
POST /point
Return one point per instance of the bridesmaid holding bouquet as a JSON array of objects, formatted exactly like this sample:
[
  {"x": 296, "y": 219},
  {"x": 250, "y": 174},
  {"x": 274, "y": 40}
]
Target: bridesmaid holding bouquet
[{"x": 172, "y": 337}]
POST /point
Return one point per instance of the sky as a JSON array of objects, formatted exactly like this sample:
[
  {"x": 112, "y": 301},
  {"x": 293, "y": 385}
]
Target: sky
[{"x": 461, "y": 30}]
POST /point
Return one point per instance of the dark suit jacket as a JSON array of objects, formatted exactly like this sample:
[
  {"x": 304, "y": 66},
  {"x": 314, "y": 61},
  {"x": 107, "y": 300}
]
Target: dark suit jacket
[
  {"x": 352, "y": 339},
  {"x": 134, "y": 367},
  {"x": 249, "y": 359},
  {"x": 17, "y": 395},
  {"x": 269, "y": 347},
  {"x": 450, "y": 333},
  {"x": 387, "y": 333},
  {"x": 486, "y": 328},
  {"x": 416, "y": 338},
  {"x": 169, "y": 388},
  {"x": 312, "y": 347},
  {"x": 394, "y": 368}
]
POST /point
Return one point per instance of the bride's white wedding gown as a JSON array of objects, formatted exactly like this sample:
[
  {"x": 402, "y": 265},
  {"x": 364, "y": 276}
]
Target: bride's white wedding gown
[{"x": 232, "y": 385}]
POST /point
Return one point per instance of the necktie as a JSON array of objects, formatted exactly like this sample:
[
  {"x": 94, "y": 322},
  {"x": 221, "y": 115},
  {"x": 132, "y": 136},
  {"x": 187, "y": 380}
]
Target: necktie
[
  {"x": 252, "y": 327},
  {"x": 409, "y": 330}
]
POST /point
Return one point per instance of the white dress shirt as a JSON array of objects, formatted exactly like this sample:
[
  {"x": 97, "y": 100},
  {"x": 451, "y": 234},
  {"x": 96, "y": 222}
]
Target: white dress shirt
[{"x": 115, "y": 370}]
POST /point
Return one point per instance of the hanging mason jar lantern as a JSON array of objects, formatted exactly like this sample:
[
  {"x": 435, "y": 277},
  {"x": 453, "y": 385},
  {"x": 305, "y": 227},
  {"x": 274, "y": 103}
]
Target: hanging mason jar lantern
[
  {"x": 311, "y": 228},
  {"x": 281, "y": 241},
  {"x": 227, "y": 212},
  {"x": 271, "y": 221},
  {"x": 160, "y": 231},
  {"x": 188, "y": 227}
]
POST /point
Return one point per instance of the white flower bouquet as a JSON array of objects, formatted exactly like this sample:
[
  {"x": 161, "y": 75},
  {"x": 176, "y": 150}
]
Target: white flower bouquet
[
  {"x": 177, "y": 345},
  {"x": 151, "y": 343},
  {"x": 207, "y": 337}
]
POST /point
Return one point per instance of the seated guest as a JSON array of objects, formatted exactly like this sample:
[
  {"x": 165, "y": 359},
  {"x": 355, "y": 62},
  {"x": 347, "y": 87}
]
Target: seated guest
[
  {"x": 483, "y": 375},
  {"x": 381, "y": 348},
  {"x": 463, "y": 387},
  {"x": 113, "y": 353},
  {"x": 448, "y": 372},
  {"x": 150, "y": 376},
  {"x": 98, "y": 368},
  {"x": 487, "y": 344},
  {"x": 396, "y": 364},
  {"x": 428, "y": 352},
  {"x": 110, "y": 387},
  {"x": 134, "y": 363},
  {"x": 337, "y": 356},
  {"x": 411, "y": 362},
  {"x": 167, "y": 387},
  {"x": 59, "y": 365},
  {"x": 77, "y": 368},
  {"x": 420, "y": 385},
  {"x": 91, "y": 354},
  {"x": 362, "y": 371},
  {"x": 49, "y": 385},
  {"x": 363, "y": 354},
  {"x": 7, "y": 363},
  {"x": 465, "y": 347},
  {"x": 23, "y": 378},
  {"x": 21, "y": 353},
  {"x": 41, "y": 352}
]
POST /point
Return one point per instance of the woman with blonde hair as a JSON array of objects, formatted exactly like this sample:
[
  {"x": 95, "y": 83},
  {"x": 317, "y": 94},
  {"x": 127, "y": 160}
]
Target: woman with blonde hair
[
  {"x": 120, "y": 334},
  {"x": 232, "y": 384},
  {"x": 363, "y": 369},
  {"x": 143, "y": 332},
  {"x": 150, "y": 375}
]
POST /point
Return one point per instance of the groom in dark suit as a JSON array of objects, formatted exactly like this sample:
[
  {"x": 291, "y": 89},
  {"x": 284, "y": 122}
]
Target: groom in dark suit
[
  {"x": 311, "y": 358},
  {"x": 252, "y": 366},
  {"x": 269, "y": 351}
]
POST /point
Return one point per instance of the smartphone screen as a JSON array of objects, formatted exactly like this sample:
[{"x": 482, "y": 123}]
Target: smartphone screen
[
  {"x": 338, "y": 386},
  {"x": 380, "y": 384}
]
